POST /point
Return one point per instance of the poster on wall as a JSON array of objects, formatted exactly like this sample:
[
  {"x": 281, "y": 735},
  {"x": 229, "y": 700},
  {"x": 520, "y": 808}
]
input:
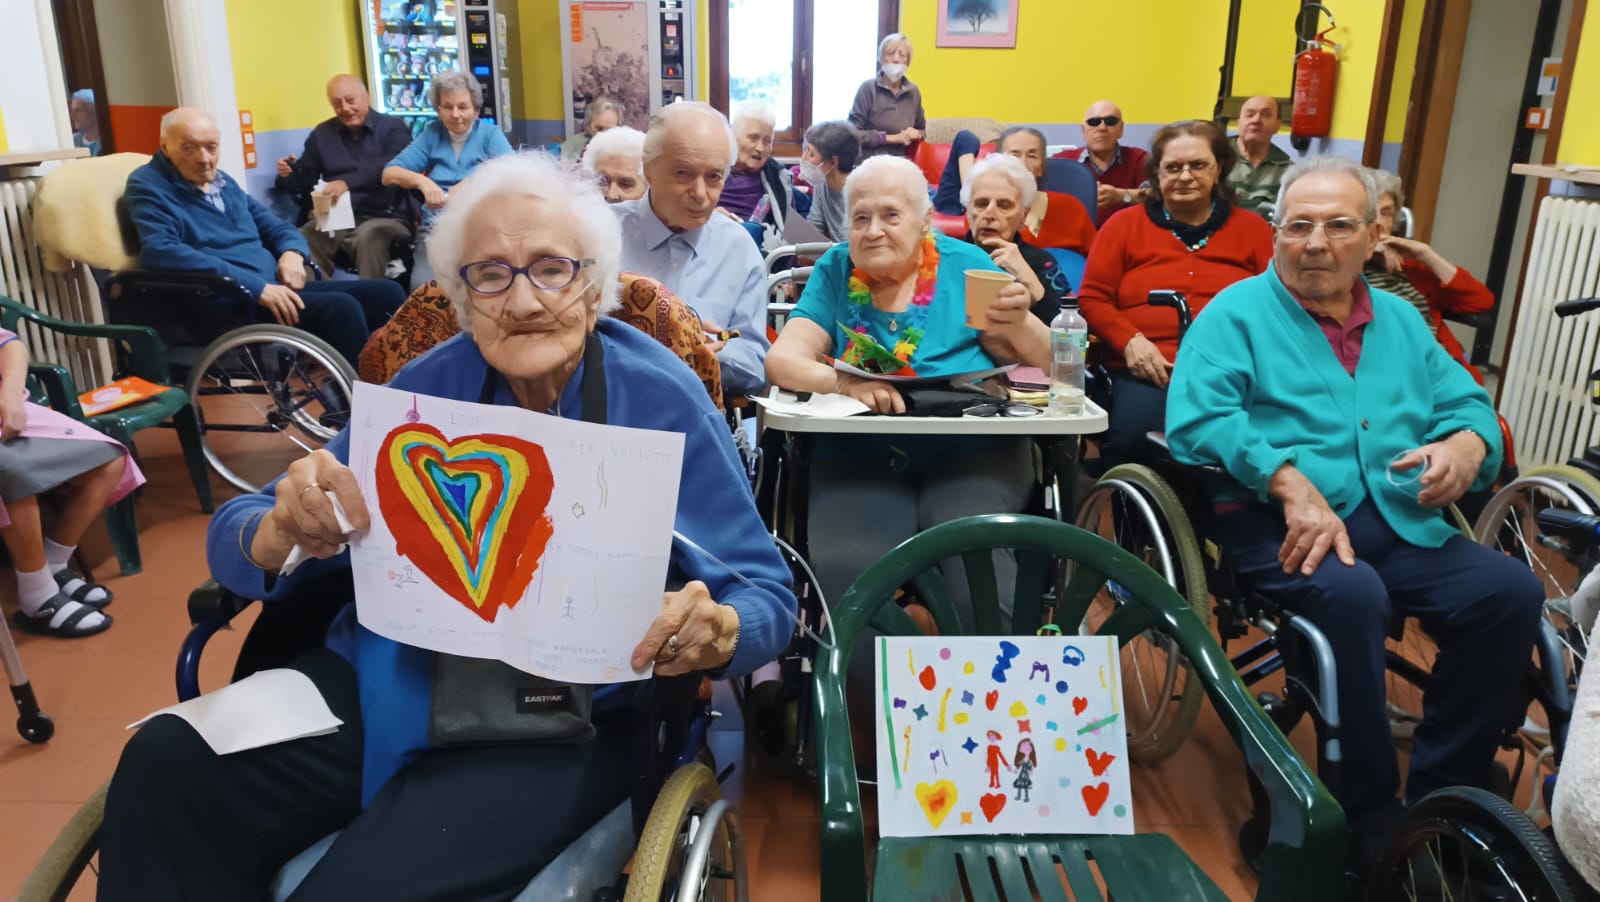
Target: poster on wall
[
  {"x": 610, "y": 58},
  {"x": 977, "y": 23}
]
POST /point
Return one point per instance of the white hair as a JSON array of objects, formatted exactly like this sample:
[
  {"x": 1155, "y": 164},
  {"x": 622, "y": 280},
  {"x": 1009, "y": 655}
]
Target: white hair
[
  {"x": 1328, "y": 164},
  {"x": 897, "y": 173},
  {"x": 172, "y": 118},
  {"x": 452, "y": 80},
  {"x": 621, "y": 141},
  {"x": 1389, "y": 183},
  {"x": 533, "y": 174},
  {"x": 756, "y": 110},
  {"x": 661, "y": 123},
  {"x": 1008, "y": 166},
  {"x": 890, "y": 41}
]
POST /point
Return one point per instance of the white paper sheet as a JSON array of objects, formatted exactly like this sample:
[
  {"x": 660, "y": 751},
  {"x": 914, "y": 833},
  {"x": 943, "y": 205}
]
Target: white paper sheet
[
  {"x": 263, "y": 709},
  {"x": 990, "y": 735},
  {"x": 341, "y": 215},
  {"x": 565, "y": 584},
  {"x": 817, "y": 406}
]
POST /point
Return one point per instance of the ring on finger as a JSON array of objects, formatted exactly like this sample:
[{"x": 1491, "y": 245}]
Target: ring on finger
[
  {"x": 314, "y": 485},
  {"x": 670, "y": 649}
]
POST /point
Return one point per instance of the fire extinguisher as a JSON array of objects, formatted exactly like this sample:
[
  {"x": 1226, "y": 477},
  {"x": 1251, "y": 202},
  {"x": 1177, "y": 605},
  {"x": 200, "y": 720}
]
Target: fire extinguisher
[{"x": 1315, "y": 69}]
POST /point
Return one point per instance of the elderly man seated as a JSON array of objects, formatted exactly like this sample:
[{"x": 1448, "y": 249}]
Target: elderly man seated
[
  {"x": 348, "y": 153},
  {"x": 674, "y": 235},
  {"x": 193, "y": 217},
  {"x": 998, "y": 194},
  {"x": 1118, "y": 168},
  {"x": 1345, "y": 428},
  {"x": 1052, "y": 220},
  {"x": 615, "y": 157},
  {"x": 1261, "y": 164}
]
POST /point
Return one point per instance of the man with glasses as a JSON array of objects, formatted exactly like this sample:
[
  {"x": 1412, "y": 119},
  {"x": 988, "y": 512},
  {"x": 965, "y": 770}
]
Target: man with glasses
[
  {"x": 1324, "y": 399},
  {"x": 1118, "y": 169},
  {"x": 1261, "y": 164}
]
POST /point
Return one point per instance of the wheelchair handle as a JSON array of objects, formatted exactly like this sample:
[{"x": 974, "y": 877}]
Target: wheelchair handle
[
  {"x": 1176, "y": 301},
  {"x": 1579, "y": 528},
  {"x": 1576, "y": 306}
]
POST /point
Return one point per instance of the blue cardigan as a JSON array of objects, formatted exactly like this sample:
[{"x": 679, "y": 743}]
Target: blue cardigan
[
  {"x": 647, "y": 387},
  {"x": 180, "y": 229},
  {"x": 431, "y": 154},
  {"x": 1257, "y": 385}
]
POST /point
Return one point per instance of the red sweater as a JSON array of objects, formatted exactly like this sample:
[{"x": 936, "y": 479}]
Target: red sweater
[
  {"x": 1066, "y": 225},
  {"x": 1462, "y": 294},
  {"x": 1133, "y": 256}
]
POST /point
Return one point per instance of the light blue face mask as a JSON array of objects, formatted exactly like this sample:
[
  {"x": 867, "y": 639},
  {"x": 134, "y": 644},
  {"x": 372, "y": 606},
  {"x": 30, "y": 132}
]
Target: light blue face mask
[
  {"x": 894, "y": 71},
  {"x": 812, "y": 173}
]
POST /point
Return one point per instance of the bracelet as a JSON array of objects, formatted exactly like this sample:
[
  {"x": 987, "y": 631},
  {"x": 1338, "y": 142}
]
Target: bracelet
[
  {"x": 245, "y": 551},
  {"x": 1487, "y": 448}
]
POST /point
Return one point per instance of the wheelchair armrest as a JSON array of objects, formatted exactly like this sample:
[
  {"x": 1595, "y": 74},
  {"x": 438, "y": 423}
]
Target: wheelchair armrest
[
  {"x": 199, "y": 284},
  {"x": 147, "y": 356},
  {"x": 210, "y": 603},
  {"x": 60, "y": 393},
  {"x": 1475, "y": 320}
]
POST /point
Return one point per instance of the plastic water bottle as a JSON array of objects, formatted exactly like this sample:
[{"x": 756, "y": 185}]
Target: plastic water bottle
[{"x": 1069, "y": 341}]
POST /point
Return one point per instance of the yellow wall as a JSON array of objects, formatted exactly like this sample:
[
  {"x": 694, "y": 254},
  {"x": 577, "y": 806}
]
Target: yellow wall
[
  {"x": 1405, "y": 70},
  {"x": 1580, "y": 128},
  {"x": 540, "y": 66},
  {"x": 281, "y": 63}
]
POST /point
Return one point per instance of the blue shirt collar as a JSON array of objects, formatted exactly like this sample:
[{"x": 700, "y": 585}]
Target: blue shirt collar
[{"x": 656, "y": 233}]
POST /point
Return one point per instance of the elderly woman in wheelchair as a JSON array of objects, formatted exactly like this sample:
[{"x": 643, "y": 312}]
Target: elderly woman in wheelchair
[{"x": 477, "y": 821}]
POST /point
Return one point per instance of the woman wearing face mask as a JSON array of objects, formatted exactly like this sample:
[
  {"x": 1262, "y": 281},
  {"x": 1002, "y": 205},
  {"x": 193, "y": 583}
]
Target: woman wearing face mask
[
  {"x": 830, "y": 153},
  {"x": 888, "y": 108},
  {"x": 443, "y": 153}
]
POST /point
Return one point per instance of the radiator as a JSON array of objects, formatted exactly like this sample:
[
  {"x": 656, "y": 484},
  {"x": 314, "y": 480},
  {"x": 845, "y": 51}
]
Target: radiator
[
  {"x": 71, "y": 295},
  {"x": 1545, "y": 395}
]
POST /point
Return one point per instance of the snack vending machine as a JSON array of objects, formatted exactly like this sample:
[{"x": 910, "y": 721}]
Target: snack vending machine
[
  {"x": 639, "y": 53},
  {"x": 410, "y": 41}
]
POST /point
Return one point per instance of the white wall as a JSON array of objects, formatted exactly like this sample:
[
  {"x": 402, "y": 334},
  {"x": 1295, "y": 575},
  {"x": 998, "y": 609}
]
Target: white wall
[
  {"x": 135, "y": 52},
  {"x": 32, "y": 93}
]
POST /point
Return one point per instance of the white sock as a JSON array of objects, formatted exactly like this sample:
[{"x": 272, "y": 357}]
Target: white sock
[
  {"x": 57, "y": 554},
  {"x": 34, "y": 588}
]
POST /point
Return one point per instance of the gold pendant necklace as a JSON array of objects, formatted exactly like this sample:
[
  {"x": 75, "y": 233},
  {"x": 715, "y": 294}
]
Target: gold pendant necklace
[{"x": 894, "y": 324}]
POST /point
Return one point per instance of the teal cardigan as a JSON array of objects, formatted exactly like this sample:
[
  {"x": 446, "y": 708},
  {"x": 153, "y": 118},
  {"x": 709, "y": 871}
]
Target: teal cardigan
[{"x": 1257, "y": 386}]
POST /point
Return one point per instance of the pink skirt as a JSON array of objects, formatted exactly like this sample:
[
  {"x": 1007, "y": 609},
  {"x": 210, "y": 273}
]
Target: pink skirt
[{"x": 43, "y": 458}]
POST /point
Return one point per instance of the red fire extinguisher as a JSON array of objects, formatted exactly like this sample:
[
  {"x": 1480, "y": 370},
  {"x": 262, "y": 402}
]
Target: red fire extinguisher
[{"x": 1315, "y": 69}]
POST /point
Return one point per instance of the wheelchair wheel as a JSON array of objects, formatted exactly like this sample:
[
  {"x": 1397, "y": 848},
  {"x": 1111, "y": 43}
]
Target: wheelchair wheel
[
  {"x": 1465, "y": 843},
  {"x": 64, "y": 862},
  {"x": 691, "y": 847},
  {"x": 1134, "y": 508},
  {"x": 267, "y": 395}
]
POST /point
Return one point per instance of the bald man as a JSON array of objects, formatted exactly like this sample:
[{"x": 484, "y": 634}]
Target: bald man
[
  {"x": 192, "y": 217},
  {"x": 674, "y": 235},
  {"x": 348, "y": 152},
  {"x": 1118, "y": 169},
  {"x": 1258, "y": 173}
]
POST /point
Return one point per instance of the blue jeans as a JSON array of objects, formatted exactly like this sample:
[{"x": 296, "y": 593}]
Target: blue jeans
[
  {"x": 1138, "y": 408},
  {"x": 1481, "y": 607},
  {"x": 947, "y": 198}
]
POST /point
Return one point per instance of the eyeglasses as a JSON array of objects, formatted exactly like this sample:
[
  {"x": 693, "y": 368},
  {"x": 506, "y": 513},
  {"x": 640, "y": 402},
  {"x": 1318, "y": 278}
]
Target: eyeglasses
[
  {"x": 491, "y": 277},
  {"x": 999, "y": 408},
  {"x": 1107, "y": 121},
  {"x": 1176, "y": 167},
  {"x": 1333, "y": 229}
]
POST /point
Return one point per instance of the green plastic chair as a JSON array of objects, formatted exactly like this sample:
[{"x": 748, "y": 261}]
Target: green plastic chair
[
  {"x": 1306, "y": 848},
  {"x": 139, "y": 353}
]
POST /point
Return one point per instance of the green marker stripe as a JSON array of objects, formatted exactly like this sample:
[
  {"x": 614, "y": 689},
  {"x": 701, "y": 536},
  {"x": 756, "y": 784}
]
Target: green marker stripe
[
  {"x": 1096, "y": 725},
  {"x": 888, "y": 709}
]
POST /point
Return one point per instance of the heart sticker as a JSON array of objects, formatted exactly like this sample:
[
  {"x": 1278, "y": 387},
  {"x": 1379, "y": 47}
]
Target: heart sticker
[
  {"x": 1079, "y": 704},
  {"x": 1094, "y": 797},
  {"x": 469, "y": 512},
  {"x": 992, "y": 804},
  {"x": 1098, "y": 761},
  {"x": 991, "y": 699},
  {"x": 937, "y": 800}
]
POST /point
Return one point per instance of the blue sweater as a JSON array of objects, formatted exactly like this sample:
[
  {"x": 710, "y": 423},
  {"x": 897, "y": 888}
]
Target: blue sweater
[
  {"x": 1257, "y": 385},
  {"x": 180, "y": 229},
  {"x": 431, "y": 154},
  {"x": 646, "y": 388}
]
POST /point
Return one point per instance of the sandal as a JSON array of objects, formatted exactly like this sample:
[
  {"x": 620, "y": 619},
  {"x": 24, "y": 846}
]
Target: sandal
[
  {"x": 80, "y": 594},
  {"x": 42, "y": 624}
]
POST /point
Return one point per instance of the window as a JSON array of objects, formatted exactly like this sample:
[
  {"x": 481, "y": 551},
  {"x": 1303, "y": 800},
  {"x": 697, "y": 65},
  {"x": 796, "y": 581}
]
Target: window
[{"x": 766, "y": 49}]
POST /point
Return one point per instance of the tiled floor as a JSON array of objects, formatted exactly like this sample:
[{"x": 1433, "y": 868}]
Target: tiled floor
[{"x": 93, "y": 687}]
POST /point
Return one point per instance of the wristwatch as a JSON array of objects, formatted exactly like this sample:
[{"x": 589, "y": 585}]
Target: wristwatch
[{"x": 1127, "y": 198}]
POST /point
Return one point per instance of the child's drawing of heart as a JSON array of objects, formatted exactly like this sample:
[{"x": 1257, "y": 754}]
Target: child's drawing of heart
[
  {"x": 937, "y": 800},
  {"x": 992, "y": 804},
  {"x": 1098, "y": 761},
  {"x": 991, "y": 699},
  {"x": 470, "y": 512},
  {"x": 1079, "y": 704},
  {"x": 1095, "y": 796}
]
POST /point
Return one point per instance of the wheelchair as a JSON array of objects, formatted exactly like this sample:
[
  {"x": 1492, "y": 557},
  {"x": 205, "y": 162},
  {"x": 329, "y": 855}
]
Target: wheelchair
[{"x": 684, "y": 840}]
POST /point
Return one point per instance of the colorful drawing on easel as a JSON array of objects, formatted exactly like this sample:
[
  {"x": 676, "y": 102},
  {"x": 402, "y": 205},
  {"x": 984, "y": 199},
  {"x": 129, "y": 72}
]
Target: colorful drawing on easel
[
  {"x": 506, "y": 527},
  {"x": 1050, "y": 757}
]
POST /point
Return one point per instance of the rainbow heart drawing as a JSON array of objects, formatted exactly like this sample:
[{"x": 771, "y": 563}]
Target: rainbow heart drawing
[{"x": 469, "y": 512}]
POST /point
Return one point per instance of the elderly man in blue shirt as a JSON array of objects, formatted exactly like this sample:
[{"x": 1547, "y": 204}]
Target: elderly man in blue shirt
[
  {"x": 348, "y": 153},
  {"x": 674, "y": 235}
]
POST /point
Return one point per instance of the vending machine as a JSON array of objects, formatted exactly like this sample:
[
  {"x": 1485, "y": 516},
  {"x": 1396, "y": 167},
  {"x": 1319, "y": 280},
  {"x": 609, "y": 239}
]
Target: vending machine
[
  {"x": 410, "y": 41},
  {"x": 639, "y": 53}
]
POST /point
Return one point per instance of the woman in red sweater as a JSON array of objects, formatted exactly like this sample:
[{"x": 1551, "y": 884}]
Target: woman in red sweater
[
  {"x": 1189, "y": 237},
  {"x": 1417, "y": 273}
]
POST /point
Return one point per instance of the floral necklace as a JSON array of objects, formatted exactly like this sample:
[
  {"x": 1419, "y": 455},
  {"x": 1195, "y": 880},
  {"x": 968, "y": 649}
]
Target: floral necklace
[{"x": 864, "y": 351}]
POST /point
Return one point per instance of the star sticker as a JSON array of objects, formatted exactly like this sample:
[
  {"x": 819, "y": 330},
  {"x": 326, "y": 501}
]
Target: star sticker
[
  {"x": 921, "y": 711},
  {"x": 966, "y": 697},
  {"x": 577, "y": 510},
  {"x": 966, "y": 817},
  {"x": 1024, "y": 726},
  {"x": 969, "y": 745}
]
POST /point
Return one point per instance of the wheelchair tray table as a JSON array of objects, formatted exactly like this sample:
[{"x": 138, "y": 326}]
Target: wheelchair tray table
[{"x": 1091, "y": 421}]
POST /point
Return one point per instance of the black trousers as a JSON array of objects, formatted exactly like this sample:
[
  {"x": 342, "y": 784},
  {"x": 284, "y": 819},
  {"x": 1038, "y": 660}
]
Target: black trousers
[
  {"x": 184, "y": 823},
  {"x": 344, "y": 312},
  {"x": 1138, "y": 408}
]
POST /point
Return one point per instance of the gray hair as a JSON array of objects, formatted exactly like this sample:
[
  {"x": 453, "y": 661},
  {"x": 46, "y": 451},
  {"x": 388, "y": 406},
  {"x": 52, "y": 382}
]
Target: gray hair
[
  {"x": 532, "y": 174},
  {"x": 1008, "y": 166},
  {"x": 837, "y": 141},
  {"x": 890, "y": 41},
  {"x": 1331, "y": 165},
  {"x": 449, "y": 82},
  {"x": 895, "y": 172},
  {"x": 661, "y": 123},
  {"x": 1389, "y": 183},
  {"x": 756, "y": 110},
  {"x": 621, "y": 141},
  {"x": 601, "y": 105},
  {"x": 182, "y": 114},
  {"x": 1013, "y": 131}
]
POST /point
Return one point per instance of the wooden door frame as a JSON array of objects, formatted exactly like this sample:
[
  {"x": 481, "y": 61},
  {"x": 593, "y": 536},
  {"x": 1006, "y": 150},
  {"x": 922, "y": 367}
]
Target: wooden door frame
[
  {"x": 79, "y": 37},
  {"x": 1440, "y": 48}
]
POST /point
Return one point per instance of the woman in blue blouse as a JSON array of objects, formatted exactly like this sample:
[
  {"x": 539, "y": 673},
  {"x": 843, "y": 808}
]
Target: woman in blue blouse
[{"x": 444, "y": 153}]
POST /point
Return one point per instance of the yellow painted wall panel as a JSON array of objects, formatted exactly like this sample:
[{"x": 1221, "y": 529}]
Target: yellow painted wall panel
[
  {"x": 1405, "y": 71},
  {"x": 285, "y": 52},
  {"x": 540, "y": 66},
  {"x": 1580, "y": 128}
]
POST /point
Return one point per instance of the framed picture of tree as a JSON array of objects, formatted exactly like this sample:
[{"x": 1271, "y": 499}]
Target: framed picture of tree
[{"x": 977, "y": 23}]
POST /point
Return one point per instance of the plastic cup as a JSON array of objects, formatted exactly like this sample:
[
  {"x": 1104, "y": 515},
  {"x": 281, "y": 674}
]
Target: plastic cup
[
  {"x": 1406, "y": 479},
  {"x": 983, "y": 285}
]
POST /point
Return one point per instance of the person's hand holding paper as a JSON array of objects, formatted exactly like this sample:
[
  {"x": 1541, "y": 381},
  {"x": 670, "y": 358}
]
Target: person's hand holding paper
[{"x": 306, "y": 519}]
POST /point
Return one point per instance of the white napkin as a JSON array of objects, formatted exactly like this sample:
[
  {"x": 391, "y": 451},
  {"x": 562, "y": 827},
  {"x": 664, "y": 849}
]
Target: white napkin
[
  {"x": 298, "y": 554},
  {"x": 267, "y": 708}
]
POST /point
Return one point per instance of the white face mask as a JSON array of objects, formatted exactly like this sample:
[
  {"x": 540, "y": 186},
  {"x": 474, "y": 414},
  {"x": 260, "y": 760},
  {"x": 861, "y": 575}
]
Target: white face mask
[
  {"x": 894, "y": 71},
  {"x": 812, "y": 173}
]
